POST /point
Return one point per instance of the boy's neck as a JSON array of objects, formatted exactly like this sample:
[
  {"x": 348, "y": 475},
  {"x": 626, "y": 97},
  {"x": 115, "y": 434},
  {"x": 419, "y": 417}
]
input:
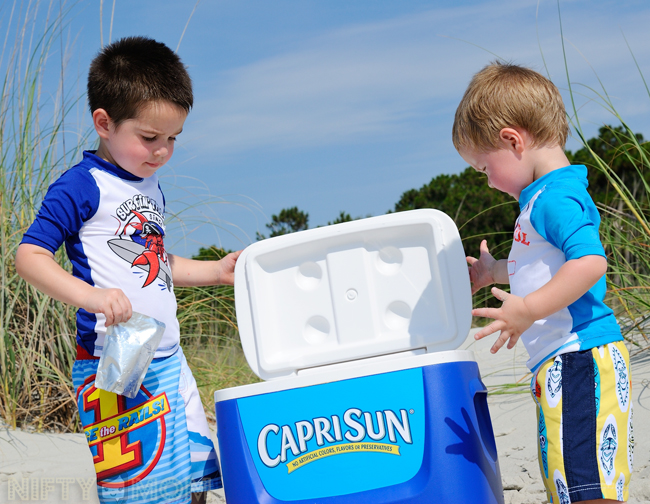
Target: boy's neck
[
  {"x": 103, "y": 153},
  {"x": 547, "y": 159}
]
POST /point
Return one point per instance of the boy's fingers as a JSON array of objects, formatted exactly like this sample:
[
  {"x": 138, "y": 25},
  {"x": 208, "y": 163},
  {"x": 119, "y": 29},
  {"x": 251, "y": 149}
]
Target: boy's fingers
[
  {"x": 505, "y": 336},
  {"x": 500, "y": 341},
  {"x": 119, "y": 308},
  {"x": 110, "y": 319},
  {"x": 512, "y": 342},
  {"x": 486, "y": 312},
  {"x": 122, "y": 316},
  {"x": 495, "y": 348},
  {"x": 127, "y": 310},
  {"x": 489, "y": 329},
  {"x": 482, "y": 333},
  {"x": 118, "y": 315},
  {"x": 483, "y": 248},
  {"x": 499, "y": 294},
  {"x": 471, "y": 260}
]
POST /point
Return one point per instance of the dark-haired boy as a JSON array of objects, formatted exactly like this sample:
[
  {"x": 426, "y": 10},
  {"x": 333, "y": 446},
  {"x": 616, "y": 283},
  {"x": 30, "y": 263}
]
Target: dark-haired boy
[
  {"x": 511, "y": 125},
  {"x": 109, "y": 212}
]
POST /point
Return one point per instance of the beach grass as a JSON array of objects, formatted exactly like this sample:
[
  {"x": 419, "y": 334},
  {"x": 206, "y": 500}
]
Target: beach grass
[
  {"x": 217, "y": 366},
  {"x": 625, "y": 217},
  {"x": 37, "y": 334},
  {"x": 210, "y": 337}
]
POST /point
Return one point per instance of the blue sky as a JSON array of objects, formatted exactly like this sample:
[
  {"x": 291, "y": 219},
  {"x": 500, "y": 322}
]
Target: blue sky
[{"x": 336, "y": 105}]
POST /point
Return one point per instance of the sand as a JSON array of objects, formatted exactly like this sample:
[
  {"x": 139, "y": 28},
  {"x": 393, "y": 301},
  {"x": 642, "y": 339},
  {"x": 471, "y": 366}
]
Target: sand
[{"x": 58, "y": 467}]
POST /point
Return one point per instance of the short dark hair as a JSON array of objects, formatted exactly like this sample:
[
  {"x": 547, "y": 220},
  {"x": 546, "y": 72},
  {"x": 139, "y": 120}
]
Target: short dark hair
[{"x": 134, "y": 71}]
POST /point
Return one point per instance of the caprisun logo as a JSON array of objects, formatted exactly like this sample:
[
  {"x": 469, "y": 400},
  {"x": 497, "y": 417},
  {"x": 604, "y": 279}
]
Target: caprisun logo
[{"x": 354, "y": 431}]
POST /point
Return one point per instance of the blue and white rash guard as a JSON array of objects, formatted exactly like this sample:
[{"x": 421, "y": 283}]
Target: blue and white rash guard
[
  {"x": 559, "y": 222},
  {"x": 113, "y": 225}
]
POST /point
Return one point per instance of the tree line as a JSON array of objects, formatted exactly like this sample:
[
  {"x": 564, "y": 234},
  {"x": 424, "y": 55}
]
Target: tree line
[
  {"x": 484, "y": 213},
  {"x": 481, "y": 212}
]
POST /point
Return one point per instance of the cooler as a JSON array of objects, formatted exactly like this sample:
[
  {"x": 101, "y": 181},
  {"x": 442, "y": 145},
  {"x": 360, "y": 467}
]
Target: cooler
[{"x": 366, "y": 399}]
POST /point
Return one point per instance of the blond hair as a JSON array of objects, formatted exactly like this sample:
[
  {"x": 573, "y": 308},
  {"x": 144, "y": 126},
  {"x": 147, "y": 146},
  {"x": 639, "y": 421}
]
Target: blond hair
[{"x": 503, "y": 95}]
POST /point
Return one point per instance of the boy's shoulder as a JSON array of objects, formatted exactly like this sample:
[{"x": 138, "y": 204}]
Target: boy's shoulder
[
  {"x": 569, "y": 177},
  {"x": 80, "y": 180},
  {"x": 77, "y": 175},
  {"x": 75, "y": 180},
  {"x": 569, "y": 182},
  {"x": 562, "y": 191},
  {"x": 564, "y": 214},
  {"x": 90, "y": 162}
]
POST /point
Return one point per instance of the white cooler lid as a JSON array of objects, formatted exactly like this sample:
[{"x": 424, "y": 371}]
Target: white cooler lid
[{"x": 367, "y": 288}]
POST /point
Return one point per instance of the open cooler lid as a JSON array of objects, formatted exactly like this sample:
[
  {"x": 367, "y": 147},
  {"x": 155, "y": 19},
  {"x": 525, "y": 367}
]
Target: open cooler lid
[{"x": 350, "y": 291}]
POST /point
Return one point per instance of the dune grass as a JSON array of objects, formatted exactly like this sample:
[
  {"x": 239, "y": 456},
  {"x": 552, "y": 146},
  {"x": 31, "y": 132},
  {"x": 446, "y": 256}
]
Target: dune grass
[
  {"x": 217, "y": 366},
  {"x": 37, "y": 334},
  {"x": 210, "y": 338},
  {"x": 625, "y": 218}
]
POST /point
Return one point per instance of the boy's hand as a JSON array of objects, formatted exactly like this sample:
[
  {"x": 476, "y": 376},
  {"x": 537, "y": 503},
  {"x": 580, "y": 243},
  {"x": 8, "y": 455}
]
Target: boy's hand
[
  {"x": 193, "y": 273},
  {"x": 112, "y": 303},
  {"x": 227, "y": 273},
  {"x": 481, "y": 269},
  {"x": 512, "y": 319}
]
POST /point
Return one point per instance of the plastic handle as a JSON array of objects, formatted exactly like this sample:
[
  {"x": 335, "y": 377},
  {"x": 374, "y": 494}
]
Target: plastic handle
[{"x": 476, "y": 386}]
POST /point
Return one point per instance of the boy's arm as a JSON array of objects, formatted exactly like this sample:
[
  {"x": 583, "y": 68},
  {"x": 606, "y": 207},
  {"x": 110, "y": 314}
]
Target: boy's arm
[
  {"x": 38, "y": 267},
  {"x": 517, "y": 314},
  {"x": 486, "y": 270},
  {"x": 193, "y": 273}
]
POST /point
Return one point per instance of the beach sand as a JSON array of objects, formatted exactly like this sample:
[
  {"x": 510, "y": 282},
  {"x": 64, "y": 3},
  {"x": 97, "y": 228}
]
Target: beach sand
[{"x": 58, "y": 467}]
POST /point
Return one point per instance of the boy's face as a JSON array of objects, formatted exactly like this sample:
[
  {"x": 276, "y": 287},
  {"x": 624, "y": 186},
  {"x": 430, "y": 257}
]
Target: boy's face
[
  {"x": 504, "y": 168},
  {"x": 143, "y": 144}
]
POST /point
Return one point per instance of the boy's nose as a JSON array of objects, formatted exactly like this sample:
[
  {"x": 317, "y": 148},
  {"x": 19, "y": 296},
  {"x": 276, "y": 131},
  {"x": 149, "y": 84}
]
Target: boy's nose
[{"x": 161, "y": 152}]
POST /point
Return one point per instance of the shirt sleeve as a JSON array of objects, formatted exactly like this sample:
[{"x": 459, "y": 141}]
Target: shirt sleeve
[
  {"x": 69, "y": 202},
  {"x": 568, "y": 219}
]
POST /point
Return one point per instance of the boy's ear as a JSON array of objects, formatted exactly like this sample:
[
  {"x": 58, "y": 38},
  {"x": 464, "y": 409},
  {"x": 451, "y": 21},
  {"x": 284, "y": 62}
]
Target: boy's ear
[
  {"x": 512, "y": 138},
  {"x": 102, "y": 122}
]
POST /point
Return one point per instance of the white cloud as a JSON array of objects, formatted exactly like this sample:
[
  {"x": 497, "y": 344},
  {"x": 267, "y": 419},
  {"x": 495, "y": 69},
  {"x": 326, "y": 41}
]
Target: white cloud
[{"x": 373, "y": 81}]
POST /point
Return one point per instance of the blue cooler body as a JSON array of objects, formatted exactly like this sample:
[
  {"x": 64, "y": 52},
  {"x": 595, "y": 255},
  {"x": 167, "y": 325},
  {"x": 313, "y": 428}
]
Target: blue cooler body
[{"x": 404, "y": 426}]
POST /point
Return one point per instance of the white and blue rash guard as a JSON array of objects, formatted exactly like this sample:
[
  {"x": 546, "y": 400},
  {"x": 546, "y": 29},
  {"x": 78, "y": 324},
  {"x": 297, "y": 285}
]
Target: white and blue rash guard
[
  {"x": 113, "y": 225},
  {"x": 559, "y": 222}
]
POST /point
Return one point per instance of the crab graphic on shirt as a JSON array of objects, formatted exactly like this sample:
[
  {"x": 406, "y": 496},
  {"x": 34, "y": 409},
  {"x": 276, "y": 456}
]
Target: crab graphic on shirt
[{"x": 144, "y": 249}]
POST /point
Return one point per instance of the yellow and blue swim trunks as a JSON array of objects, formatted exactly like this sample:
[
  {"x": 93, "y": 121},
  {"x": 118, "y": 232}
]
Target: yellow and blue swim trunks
[{"x": 585, "y": 432}]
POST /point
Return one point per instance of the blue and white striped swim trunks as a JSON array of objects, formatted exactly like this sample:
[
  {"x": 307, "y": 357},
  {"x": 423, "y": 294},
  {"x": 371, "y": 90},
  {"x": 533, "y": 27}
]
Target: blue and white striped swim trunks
[{"x": 155, "y": 448}]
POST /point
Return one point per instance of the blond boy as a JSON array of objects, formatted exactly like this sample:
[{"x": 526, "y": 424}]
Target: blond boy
[{"x": 511, "y": 125}]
